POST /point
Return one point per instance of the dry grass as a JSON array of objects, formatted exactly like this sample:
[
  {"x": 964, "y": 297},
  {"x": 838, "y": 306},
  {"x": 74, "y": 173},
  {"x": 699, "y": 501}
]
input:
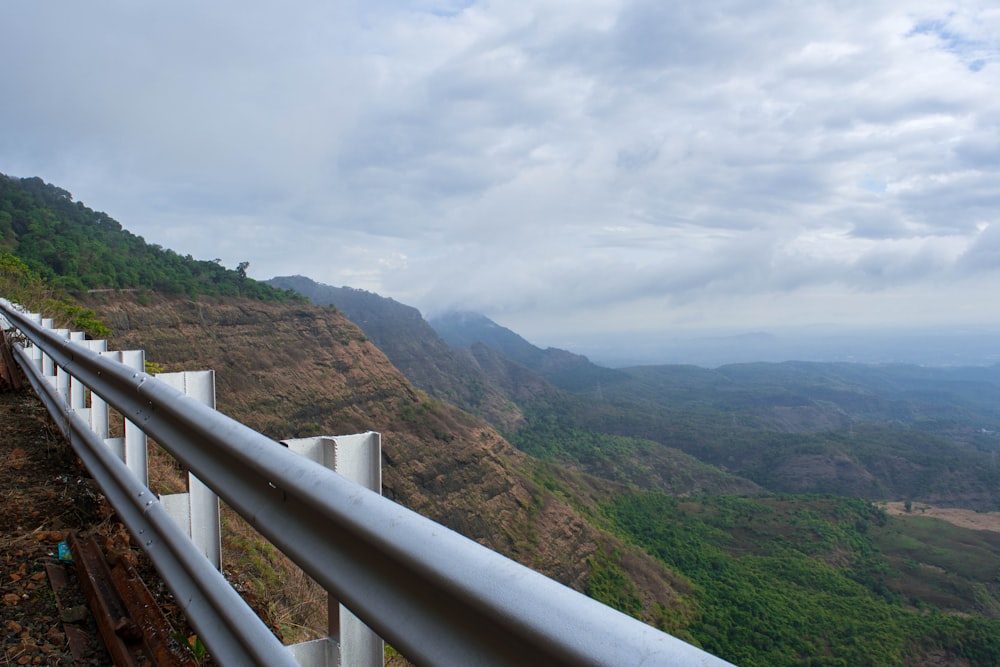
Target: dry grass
[
  {"x": 959, "y": 517},
  {"x": 284, "y": 596},
  {"x": 288, "y": 600}
]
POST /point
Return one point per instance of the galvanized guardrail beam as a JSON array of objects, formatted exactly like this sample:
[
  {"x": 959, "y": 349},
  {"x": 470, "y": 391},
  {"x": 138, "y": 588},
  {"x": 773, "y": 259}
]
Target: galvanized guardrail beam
[
  {"x": 438, "y": 597},
  {"x": 233, "y": 632}
]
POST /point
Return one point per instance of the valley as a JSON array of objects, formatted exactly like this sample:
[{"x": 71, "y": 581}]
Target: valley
[{"x": 778, "y": 491}]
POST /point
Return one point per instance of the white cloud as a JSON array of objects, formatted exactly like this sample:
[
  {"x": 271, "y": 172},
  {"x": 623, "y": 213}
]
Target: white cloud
[{"x": 548, "y": 161}]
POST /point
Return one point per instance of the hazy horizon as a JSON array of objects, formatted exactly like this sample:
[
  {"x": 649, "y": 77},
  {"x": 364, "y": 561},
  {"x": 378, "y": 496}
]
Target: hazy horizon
[
  {"x": 932, "y": 347},
  {"x": 973, "y": 345}
]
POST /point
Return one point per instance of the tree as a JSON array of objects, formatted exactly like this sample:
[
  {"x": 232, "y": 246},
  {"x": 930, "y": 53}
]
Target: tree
[{"x": 19, "y": 283}]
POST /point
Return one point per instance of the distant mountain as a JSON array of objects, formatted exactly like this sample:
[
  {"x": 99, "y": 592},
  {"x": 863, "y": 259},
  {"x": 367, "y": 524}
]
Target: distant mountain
[
  {"x": 563, "y": 369},
  {"x": 413, "y": 347},
  {"x": 483, "y": 380},
  {"x": 795, "y": 427}
]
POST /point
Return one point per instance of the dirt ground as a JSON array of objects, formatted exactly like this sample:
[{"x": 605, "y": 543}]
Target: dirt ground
[
  {"x": 959, "y": 517},
  {"x": 45, "y": 494}
]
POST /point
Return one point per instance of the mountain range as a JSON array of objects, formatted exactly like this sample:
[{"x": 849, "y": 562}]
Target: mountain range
[{"x": 803, "y": 427}]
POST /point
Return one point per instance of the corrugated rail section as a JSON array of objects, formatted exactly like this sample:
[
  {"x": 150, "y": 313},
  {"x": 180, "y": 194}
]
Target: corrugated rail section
[{"x": 438, "y": 597}]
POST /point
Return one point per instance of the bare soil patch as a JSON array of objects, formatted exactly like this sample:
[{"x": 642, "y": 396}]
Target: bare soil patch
[
  {"x": 960, "y": 517},
  {"x": 45, "y": 493}
]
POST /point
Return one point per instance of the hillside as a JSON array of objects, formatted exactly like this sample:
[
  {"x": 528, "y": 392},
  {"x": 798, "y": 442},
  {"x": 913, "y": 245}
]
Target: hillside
[
  {"x": 289, "y": 369},
  {"x": 482, "y": 380},
  {"x": 300, "y": 370},
  {"x": 414, "y": 348}
]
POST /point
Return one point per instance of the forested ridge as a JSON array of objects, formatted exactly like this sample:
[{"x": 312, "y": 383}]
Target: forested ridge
[{"x": 74, "y": 248}]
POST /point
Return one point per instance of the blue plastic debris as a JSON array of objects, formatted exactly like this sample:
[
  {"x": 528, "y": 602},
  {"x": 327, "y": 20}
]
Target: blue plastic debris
[{"x": 65, "y": 555}]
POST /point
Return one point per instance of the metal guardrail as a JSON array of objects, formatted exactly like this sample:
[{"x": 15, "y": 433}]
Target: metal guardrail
[
  {"x": 438, "y": 597},
  {"x": 232, "y": 630}
]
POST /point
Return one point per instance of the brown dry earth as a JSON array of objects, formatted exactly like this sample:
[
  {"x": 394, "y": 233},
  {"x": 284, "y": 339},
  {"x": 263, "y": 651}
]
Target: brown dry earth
[
  {"x": 959, "y": 517},
  {"x": 44, "y": 495},
  {"x": 299, "y": 370}
]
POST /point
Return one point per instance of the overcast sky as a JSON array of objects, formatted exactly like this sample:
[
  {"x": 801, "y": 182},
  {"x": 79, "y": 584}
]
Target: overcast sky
[{"x": 561, "y": 166}]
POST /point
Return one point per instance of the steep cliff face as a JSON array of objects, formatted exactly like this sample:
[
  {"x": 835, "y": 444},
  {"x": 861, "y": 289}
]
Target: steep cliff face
[
  {"x": 415, "y": 349},
  {"x": 300, "y": 370}
]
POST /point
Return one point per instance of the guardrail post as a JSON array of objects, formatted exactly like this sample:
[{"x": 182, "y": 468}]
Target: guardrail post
[
  {"x": 34, "y": 352},
  {"x": 99, "y": 420},
  {"x": 48, "y": 365},
  {"x": 78, "y": 390},
  {"x": 117, "y": 445},
  {"x": 77, "y": 396},
  {"x": 135, "y": 437},
  {"x": 196, "y": 511},
  {"x": 350, "y": 643},
  {"x": 60, "y": 378}
]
